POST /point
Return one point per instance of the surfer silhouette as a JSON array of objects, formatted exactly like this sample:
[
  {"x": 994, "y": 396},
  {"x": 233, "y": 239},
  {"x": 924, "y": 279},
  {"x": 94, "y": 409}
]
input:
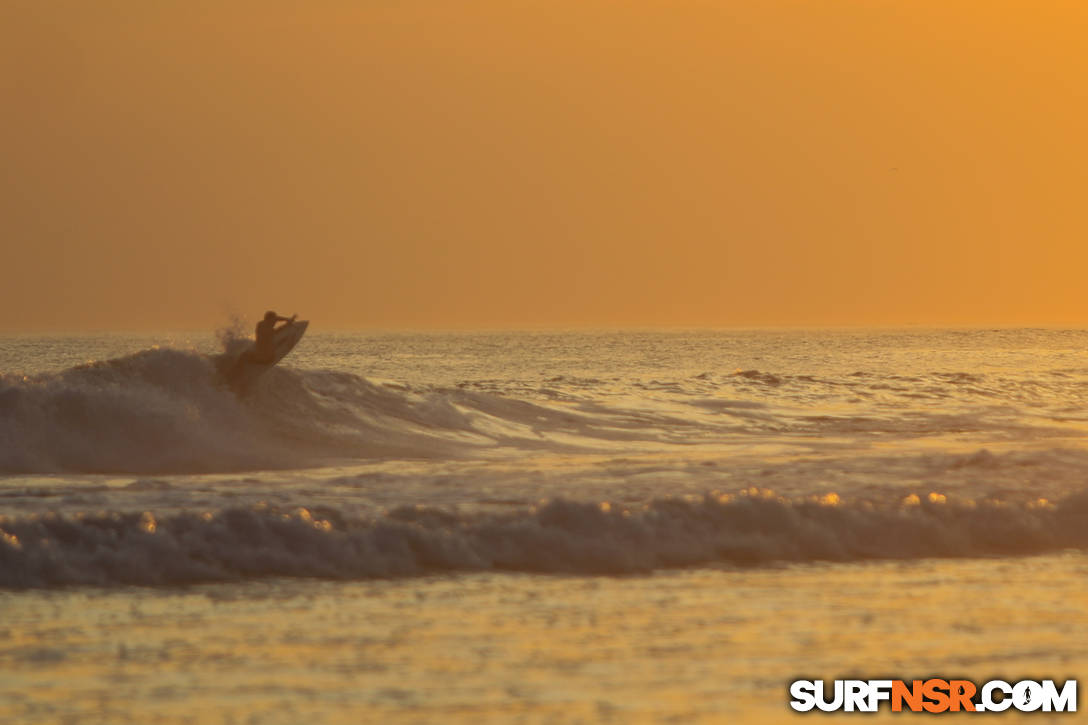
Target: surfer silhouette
[
  {"x": 264, "y": 351},
  {"x": 272, "y": 343}
]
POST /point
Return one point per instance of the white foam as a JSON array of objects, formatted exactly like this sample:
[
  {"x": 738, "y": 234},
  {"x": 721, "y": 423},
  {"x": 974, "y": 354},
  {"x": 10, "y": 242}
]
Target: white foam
[{"x": 562, "y": 536}]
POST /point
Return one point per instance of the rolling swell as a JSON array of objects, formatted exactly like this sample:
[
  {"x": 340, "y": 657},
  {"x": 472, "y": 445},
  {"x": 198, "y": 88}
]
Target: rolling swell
[{"x": 561, "y": 537}]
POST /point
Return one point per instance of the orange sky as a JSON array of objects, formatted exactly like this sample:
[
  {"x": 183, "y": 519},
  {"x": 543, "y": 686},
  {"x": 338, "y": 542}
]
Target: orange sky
[{"x": 434, "y": 163}]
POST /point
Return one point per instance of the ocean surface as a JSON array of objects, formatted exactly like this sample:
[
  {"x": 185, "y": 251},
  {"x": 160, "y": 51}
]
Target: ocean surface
[{"x": 592, "y": 526}]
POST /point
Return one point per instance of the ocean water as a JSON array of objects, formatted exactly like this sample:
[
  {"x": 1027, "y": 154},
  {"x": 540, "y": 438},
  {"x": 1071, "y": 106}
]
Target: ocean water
[{"x": 635, "y": 526}]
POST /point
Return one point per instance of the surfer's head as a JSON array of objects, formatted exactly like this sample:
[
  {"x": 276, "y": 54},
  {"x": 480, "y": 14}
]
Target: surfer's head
[{"x": 270, "y": 315}]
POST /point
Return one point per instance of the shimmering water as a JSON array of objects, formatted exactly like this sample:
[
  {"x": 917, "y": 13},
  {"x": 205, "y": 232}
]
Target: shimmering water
[{"x": 534, "y": 526}]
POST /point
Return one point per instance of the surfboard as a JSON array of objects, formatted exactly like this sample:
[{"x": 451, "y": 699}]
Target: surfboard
[{"x": 244, "y": 372}]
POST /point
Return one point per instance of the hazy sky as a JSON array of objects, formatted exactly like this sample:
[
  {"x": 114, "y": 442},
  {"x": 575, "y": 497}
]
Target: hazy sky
[{"x": 432, "y": 163}]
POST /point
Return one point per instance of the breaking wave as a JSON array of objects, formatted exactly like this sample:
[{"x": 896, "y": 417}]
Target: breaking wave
[
  {"x": 164, "y": 411},
  {"x": 167, "y": 411},
  {"x": 562, "y": 536}
]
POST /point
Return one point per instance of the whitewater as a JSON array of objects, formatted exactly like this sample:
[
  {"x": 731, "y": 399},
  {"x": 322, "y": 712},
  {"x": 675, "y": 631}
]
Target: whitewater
[{"x": 530, "y": 475}]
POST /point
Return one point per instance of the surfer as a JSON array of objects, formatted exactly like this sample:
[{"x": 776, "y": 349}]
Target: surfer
[
  {"x": 271, "y": 345},
  {"x": 264, "y": 351}
]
